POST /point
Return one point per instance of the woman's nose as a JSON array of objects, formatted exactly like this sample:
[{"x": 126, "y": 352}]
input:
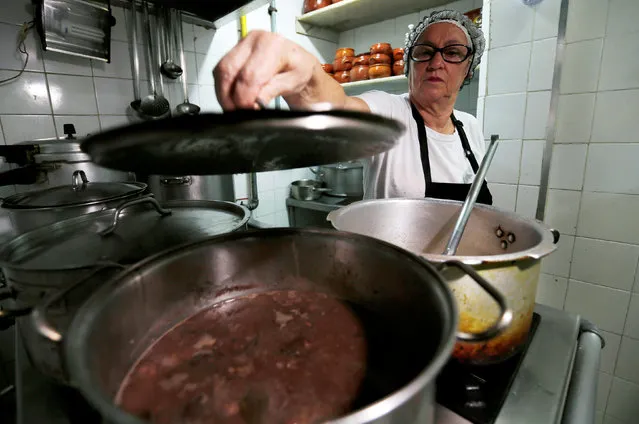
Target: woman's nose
[{"x": 436, "y": 61}]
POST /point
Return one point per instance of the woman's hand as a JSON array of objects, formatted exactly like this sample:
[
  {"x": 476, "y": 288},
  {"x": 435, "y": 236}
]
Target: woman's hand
[{"x": 261, "y": 67}]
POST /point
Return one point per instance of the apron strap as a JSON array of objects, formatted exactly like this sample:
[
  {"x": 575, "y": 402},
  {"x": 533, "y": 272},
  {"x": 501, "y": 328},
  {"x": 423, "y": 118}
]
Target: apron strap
[{"x": 465, "y": 145}]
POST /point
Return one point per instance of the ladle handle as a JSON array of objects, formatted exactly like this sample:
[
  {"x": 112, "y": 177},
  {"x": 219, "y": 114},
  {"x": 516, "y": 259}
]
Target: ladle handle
[{"x": 469, "y": 203}]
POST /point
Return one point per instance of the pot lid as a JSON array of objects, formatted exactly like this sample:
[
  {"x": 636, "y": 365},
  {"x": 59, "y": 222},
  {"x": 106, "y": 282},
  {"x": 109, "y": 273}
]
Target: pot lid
[
  {"x": 80, "y": 193},
  {"x": 140, "y": 231},
  {"x": 243, "y": 141}
]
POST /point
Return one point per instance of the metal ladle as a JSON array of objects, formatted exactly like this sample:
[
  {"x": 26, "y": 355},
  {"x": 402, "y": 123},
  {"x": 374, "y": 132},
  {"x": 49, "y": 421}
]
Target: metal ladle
[
  {"x": 169, "y": 68},
  {"x": 153, "y": 105},
  {"x": 185, "y": 108},
  {"x": 135, "y": 104},
  {"x": 469, "y": 203}
]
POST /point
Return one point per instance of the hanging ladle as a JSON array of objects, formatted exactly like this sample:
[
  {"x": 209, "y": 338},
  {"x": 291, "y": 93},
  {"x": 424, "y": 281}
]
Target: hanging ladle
[{"x": 469, "y": 203}]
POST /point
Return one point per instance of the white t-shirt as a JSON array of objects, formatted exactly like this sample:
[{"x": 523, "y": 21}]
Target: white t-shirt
[{"x": 399, "y": 172}]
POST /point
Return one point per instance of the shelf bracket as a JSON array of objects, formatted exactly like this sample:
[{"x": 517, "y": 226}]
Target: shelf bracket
[{"x": 316, "y": 32}]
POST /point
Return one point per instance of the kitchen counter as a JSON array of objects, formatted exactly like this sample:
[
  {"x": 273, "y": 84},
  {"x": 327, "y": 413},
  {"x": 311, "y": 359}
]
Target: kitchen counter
[{"x": 312, "y": 213}]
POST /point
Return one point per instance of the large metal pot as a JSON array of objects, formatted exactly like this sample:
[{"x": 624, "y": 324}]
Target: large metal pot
[
  {"x": 503, "y": 247},
  {"x": 36, "y": 208},
  {"x": 192, "y": 187},
  {"x": 43, "y": 265},
  {"x": 344, "y": 179},
  {"x": 124, "y": 317},
  {"x": 52, "y": 162}
]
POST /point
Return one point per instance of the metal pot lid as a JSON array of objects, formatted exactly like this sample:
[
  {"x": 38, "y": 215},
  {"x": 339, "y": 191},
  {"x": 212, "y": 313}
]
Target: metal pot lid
[
  {"x": 140, "y": 231},
  {"x": 243, "y": 141},
  {"x": 80, "y": 193}
]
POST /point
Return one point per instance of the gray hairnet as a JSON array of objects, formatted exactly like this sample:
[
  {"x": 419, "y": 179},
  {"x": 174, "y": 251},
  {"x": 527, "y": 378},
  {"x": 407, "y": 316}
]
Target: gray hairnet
[{"x": 473, "y": 31}]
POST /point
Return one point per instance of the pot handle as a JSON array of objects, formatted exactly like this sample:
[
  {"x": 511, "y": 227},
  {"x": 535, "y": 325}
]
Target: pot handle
[
  {"x": 555, "y": 236},
  {"x": 116, "y": 216},
  {"x": 173, "y": 181},
  {"x": 8, "y": 316},
  {"x": 39, "y": 314},
  {"x": 505, "y": 313}
]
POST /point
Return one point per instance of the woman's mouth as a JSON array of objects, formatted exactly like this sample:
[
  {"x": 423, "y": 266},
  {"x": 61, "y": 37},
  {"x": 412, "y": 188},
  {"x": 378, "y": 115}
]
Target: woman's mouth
[{"x": 434, "y": 79}]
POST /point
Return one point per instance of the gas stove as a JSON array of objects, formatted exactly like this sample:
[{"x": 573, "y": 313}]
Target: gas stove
[{"x": 550, "y": 381}]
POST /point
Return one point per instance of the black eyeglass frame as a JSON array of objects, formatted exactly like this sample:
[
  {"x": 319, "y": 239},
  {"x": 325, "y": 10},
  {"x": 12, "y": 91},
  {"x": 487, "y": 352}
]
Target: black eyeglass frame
[{"x": 440, "y": 51}]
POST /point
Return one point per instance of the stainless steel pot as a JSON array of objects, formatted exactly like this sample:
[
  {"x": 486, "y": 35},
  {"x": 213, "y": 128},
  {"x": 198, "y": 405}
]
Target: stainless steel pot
[
  {"x": 51, "y": 162},
  {"x": 344, "y": 179},
  {"x": 43, "y": 265},
  {"x": 503, "y": 247},
  {"x": 192, "y": 187},
  {"x": 307, "y": 189},
  {"x": 119, "y": 322},
  {"x": 36, "y": 208}
]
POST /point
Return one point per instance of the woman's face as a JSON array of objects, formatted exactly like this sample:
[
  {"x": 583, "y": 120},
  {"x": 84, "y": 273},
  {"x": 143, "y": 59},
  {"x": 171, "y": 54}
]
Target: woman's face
[{"x": 436, "y": 79}]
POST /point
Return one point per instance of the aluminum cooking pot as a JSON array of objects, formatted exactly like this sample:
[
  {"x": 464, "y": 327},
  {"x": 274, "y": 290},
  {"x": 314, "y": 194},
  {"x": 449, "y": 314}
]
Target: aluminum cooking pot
[
  {"x": 307, "y": 189},
  {"x": 345, "y": 179},
  {"x": 503, "y": 247},
  {"x": 44, "y": 265},
  {"x": 51, "y": 162},
  {"x": 114, "y": 328},
  {"x": 192, "y": 187},
  {"x": 36, "y": 208}
]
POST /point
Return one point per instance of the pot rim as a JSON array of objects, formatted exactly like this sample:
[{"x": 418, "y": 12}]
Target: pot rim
[
  {"x": 544, "y": 248},
  {"x": 83, "y": 318}
]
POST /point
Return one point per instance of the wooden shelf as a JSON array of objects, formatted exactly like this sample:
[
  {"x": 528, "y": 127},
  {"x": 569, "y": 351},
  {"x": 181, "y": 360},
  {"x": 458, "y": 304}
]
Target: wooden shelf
[
  {"x": 328, "y": 22},
  {"x": 390, "y": 84}
]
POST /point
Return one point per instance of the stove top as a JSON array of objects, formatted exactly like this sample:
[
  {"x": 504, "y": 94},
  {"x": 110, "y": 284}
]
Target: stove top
[{"x": 478, "y": 392}]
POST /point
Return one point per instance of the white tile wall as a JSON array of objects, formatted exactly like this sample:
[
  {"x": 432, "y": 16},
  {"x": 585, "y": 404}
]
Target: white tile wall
[
  {"x": 504, "y": 115},
  {"x": 567, "y": 166},
  {"x": 610, "y": 352},
  {"x": 72, "y": 95},
  {"x": 562, "y": 210},
  {"x": 28, "y": 94},
  {"x": 546, "y": 19},
  {"x": 558, "y": 263},
  {"x": 603, "y": 390},
  {"x": 508, "y": 69},
  {"x": 574, "y": 117},
  {"x": 581, "y": 67},
  {"x": 622, "y": 402},
  {"x": 84, "y": 125},
  {"x": 19, "y": 128},
  {"x": 632, "y": 321},
  {"x": 551, "y": 290},
  {"x": 613, "y": 168},
  {"x": 505, "y": 165},
  {"x": 531, "y": 158},
  {"x": 542, "y": 64},
  {"x": 613, "y": 123},
  {"x": 504, "y": 195},
  {"x": 622, "y": 16},
  {"x": 586, "y": 20},
  {"x": 620, "y": 70},
  {"x": 527, "y": 197},
  {"x": 609, "y": 216},
  {"x": 605, "y": 263},
  {"x": 603, "y": 306},
  {"x": 511, "y": 22},
  {"x": 11, "y": 58},
  {"x": 537, "y": 112},
  {"x": 626, "y": 362}
]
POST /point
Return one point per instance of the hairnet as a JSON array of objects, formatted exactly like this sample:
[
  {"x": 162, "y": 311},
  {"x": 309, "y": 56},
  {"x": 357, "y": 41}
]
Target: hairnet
[{"x": 472, "y": 31}]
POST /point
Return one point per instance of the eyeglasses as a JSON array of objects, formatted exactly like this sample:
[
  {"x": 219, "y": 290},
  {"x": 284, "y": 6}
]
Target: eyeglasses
[{"x": 454, "y": 53}]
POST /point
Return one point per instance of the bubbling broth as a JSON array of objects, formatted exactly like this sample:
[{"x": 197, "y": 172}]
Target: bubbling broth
[{"x": 277, "y": 357}]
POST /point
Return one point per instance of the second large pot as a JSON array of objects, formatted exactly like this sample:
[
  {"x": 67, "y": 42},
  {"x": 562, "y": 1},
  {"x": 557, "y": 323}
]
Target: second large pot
[
  {"x": 344, "y": 179},
  {"x": 124, "y": 317},
  {"x": 503, "y": 247},
  {"x": 192, "y": 187}
]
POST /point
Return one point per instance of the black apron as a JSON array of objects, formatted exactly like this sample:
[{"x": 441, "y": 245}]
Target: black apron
[{"x": 449, "y": 191}]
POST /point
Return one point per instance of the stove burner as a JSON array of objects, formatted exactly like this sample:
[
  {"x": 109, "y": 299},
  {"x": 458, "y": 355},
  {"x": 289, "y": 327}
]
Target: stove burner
[{"x": 477, "y": 393}]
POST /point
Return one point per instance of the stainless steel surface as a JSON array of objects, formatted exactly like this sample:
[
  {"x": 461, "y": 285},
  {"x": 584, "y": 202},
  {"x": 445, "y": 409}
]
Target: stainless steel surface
[
  {"x": 37, "y": 208},
  {"x": 153, "y": 105},
  {"x": 307, "y": 190},
  {"x": 192, "y": 187},
  {"x": 40, "y": 263},
  {"x": 186, "y": 107},
  {"x": 469, "y": 203},
  {"x": 423, "y": 226},
  {"x": 243, "y": 141},
  {"x": 123, "y": 317},
  {"x": 169, "y": 68},
  {"x": 345, "y": 179},
  {"x": 551, "y": 128},
  {"x": 76, "y": 27},
  {"x": 135, "y": 56},
  {"x": 582, "y": 392}
]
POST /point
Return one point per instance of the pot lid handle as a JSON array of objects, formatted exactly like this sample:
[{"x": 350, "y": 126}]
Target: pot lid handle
[
  {"x": 146, "y": 199},
  {"x": 79, "y": 180}
]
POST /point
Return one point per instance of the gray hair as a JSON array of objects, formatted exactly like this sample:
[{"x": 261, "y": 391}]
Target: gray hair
[{"x": 472, "y": 31}]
